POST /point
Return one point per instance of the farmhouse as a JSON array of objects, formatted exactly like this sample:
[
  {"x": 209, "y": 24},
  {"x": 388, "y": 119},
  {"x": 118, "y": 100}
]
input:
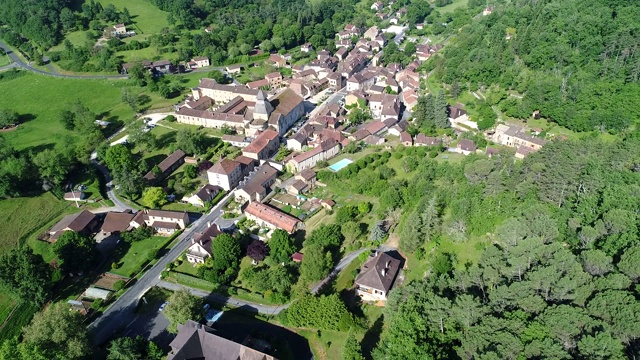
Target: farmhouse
[
  {"x": 377, "y": 276},
  {"x": 197, "y": 341},
  {"x": 466, "y": 147},
  {"x": 272, "y": 218},
  {"x": 119, "y": 29},
  {"x": 116, "y": 222},
  {"x": 164, "y": 222},
  {"x": 167, "y": 166},
  {"x": 256, "y": 187},
  {"x": 515, "y": 136},
  {"x": 199, "y": 62},
  {"x": 83, "y": 222},
  {"x": 205, "y": 194},
  {"x": 264, "y": 146},
  {"x": 228, "y": 173},
  {"x": 200, "y": 248},
  {"x": 324, "y": 151}
]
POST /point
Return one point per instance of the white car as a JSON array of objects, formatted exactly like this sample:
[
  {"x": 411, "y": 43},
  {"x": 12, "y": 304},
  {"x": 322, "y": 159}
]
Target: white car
[{"x": 164, "y": 305}]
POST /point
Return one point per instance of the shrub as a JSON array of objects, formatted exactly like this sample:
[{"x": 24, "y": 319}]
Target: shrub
[
  {"x": 118, "y": 285},
  {"x": 96, "y": 304},
  {"x": 170, "y": 118},
  {"x": 114, "y": 265}
]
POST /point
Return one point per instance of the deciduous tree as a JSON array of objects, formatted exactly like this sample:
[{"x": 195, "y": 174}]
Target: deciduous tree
[{"x": 182, "y": 307}]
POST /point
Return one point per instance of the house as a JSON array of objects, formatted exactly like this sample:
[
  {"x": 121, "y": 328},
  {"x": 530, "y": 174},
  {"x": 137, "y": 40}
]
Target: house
[
  {"x": 297, "y": 187},
  {"x": 258, "y": 84},
  {"x": 235, "y": 140},
  {"x": 377, "y": 6},
  {"x": 324, "y": 151},
  {"x": 382, "y": 15},
  {"x": 335, "y": 81},
  {"x": 197, "y": 341},
  {"x": 308, "y": 176},
  {"x": 205, "y": 194},
  {"x": 342, "y": 52},
  {"x": 487, "y": 11},
  {"x": 163, "y": 222},
  {"x": 75, "y": 196},
  {"x": 256, "y": 187},
  {"x": 466, "y": 147},
  {"x": 201, "y": 61},
  {"x": 264, "y": 146},
  {"x": 307, "y": 47},
  {"x": 162, "y": 66},
  {"x": 200, "y": 248},
  {"x": 297, "y": 142},
  {"x": 515, "y": 136},
  {"x": 405, "y": 139},
  {"x": 424, "y": 140},
  {"x": 373, "y": 140},
  {"x": 377, "y": 276},
  {"x": 359, "y": 135},
  {"x": 490, "y": 152},
  {"x": 234, "y": 69},
  {"x": 328, "y": 204},
  {"x": 274, "y": 79},
  {"x": 360, "y": 81},
  {"x": 524, "y": 151},
  {"x": 270, "y": 217},
  {"x": 277, "y": 60},
  {"x": 83, "y": 222},
  {"x": 375, "y": 127},
  {"x": 371, "y": 33},
  {"x": 297, "y": 257},
  {"x": 116, "y": 222},
  {"x": 119, "y": 29},
  {"x": 226, "y": 174},
  {"x": 167, "y": 166},
  {"x": 420, "y": 26}
]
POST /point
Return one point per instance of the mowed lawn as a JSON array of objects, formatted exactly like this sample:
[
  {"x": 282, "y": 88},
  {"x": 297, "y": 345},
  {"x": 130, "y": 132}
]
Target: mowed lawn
[
  {"x": 41, "y": 99},
  {"x": 137, "y": 254},
  {"x": 147, "y": 17}
]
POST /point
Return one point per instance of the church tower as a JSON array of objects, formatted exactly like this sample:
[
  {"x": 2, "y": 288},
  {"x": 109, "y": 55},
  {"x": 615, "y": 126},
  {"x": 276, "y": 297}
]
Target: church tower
[{"x": 263, "y": 108}]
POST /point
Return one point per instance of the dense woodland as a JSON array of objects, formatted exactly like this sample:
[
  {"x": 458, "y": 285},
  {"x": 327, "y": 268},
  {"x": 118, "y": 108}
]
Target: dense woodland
[{"x": 576, "y": 61}]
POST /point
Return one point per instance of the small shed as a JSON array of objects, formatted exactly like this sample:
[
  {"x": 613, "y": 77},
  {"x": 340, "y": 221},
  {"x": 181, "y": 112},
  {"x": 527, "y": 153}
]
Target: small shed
[
  {"x": 297, "y": 257},
  {"x": 96, "y": 293}
]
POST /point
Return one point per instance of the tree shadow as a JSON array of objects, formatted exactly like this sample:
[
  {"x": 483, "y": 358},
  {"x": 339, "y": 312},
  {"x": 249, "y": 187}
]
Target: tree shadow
[
  {"x": 167, "y": 138},
  {"x": 23, "y": 118},
  {"x": 38, "y": 148},
  {"x": 372, "y": 337}
]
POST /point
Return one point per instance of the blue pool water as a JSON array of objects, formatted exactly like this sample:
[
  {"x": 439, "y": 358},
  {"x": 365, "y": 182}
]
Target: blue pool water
[{"x": 340, "y": 164}]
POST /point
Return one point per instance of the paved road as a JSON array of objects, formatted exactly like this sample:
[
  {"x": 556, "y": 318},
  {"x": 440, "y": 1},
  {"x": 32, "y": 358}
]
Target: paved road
[
  {"x": 19, "y": 63},
  {"x": 333, "y": 99},
  {"x": 256, "y": 307},
  {"x": 118, "y": 315}
]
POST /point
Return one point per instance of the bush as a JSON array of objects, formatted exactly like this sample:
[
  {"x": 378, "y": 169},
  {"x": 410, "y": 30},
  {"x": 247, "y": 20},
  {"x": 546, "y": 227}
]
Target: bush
[
  {"x": 96, "y": 304},
  {"x": 153, "y": 254},
  {"x": 170, "y": 118},
  {"x": 118, "y": 285},
  {"x": 114, "y": 265}
]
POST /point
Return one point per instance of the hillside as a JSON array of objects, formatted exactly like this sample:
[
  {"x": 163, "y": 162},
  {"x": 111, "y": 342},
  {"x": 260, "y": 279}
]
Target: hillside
[{"x": 575, "y": 61}]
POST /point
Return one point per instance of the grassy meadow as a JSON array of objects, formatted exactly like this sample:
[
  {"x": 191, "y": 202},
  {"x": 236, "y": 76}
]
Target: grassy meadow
[{"x": 147, "y": 18}]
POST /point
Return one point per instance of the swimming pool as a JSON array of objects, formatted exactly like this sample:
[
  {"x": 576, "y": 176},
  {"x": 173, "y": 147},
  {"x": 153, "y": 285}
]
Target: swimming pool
[{"x": 340, "y": 164}]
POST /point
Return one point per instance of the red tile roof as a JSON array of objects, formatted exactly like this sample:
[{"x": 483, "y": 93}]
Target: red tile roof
[
  {"x": 272, "y": 216},
  {"x": 261, "y": 141}
]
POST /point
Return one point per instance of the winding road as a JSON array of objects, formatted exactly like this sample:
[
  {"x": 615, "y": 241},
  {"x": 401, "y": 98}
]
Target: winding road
[{"x": 17, "y": 62}]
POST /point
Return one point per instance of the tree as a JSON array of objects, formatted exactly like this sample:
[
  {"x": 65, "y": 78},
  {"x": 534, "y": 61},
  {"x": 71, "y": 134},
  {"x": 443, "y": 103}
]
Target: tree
[
  {"x": 351, "y": 231},
  {"x": 190, "y": 171},
  {"x": 8, "y": 118},
  {"x": 257, "y": 250},
  {"x": 77, "y": 252},
  {"x": 441, "y": 112},
  {"x": 629, "y": 263},
  {"x": 56, "y": 333},
  {"x": 316, "y": 263},
  {"x": 377, "y": 232},
  {"x": 53, "y": 165},
  {"x": 118, "y": 157},
  {"x": 140, "y": 135},
  {"x": 424, "y": 113},
  {"x": 67, "y": 118},
  {"x": 130, "y": 182},
  {"x": 127, "y": 348},
  {"x": 219, "y": 77},
  {"x": 410, "y": 49},
  {"x": 358, "y": 116},
  {"x": 130, "y": 98},
  {"x": 351, "y": 349},
  {"x": 154, "y": 197},
  {"x": 191, "y": 141},
  {"x": 182, "y": 306},
  {"x": 225, "y": 252},
  {"x": 281, "y": 246},
  {"x": 27, "y": 274}
]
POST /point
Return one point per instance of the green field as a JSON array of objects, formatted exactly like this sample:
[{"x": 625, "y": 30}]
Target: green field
[
  {"x": 23, "y": 217},
  {"x": 41, "y": 98},
  {"x": 454, "y": 5},
  {"x": 148, "y": 19},
  {"x": 77, "y": 38}
]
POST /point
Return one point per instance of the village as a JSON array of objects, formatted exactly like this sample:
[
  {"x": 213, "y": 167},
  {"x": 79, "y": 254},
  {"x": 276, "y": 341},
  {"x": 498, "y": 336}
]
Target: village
[{"x": 308, "y": 122}]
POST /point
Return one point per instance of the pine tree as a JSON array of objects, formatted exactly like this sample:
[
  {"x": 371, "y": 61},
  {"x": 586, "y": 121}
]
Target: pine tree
[
  {"x": 441, "y": 113},
  {"x": 351, "y": 349}
]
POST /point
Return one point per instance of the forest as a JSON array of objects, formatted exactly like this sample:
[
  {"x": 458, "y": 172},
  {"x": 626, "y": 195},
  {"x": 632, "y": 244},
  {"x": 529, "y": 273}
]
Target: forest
[{"x": 576, "y": 61}]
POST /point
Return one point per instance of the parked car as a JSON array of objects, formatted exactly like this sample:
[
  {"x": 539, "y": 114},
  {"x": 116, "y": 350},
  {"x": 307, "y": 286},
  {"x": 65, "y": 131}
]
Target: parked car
[
  {"x": 164, "y": 305},
  {"x": 206, "y": 307}
]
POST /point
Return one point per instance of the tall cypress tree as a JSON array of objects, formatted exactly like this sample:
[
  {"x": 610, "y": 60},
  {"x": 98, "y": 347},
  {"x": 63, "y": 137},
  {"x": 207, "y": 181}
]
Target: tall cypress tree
[{"x": 441, "y": 111}]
